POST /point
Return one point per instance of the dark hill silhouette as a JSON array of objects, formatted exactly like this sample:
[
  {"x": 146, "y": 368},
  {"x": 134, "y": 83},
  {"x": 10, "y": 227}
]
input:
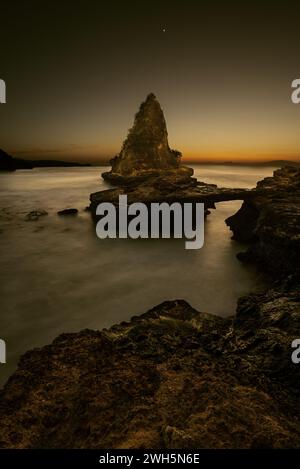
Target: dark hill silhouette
[{"x": 10, "y": 163}]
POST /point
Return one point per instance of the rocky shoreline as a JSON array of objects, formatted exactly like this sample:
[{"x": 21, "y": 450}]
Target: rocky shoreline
[
  {"x": 270, "y": 221},
  {"x": 175, "y": 377}
]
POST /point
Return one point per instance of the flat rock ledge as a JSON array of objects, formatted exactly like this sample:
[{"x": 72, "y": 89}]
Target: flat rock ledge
[{"x": 168, "y": 186}]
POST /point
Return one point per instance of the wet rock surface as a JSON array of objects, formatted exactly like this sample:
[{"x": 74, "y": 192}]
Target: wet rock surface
[
  {"x": 170, "y": 378},
  {"x": 271, "y": 220},
  {"x": 68, "y": 211},
  {"x": 34, "y": 215}
]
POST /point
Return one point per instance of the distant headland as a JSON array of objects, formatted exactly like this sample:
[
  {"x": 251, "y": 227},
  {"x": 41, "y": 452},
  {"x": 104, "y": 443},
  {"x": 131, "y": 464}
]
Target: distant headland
[{"x": 10, "y": 163}]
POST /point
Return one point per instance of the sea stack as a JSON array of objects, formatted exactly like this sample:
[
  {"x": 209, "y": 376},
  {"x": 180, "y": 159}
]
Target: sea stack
[
  {"x": 148, "y": 171},
  {"x": 145, "y": 152}
]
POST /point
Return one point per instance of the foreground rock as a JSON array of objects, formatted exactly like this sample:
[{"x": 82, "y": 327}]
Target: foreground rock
[{"x": 171, "y": 378}]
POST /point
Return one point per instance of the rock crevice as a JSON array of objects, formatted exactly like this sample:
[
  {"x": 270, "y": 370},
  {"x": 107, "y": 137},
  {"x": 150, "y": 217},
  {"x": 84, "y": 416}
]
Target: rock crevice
[{"x": 270, "y": 220}]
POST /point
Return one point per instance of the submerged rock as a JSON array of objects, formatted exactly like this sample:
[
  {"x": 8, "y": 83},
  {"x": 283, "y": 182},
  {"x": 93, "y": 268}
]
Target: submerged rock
[
  {"x": 68, "y": 211},
  {"x": 34, "y": 215}
]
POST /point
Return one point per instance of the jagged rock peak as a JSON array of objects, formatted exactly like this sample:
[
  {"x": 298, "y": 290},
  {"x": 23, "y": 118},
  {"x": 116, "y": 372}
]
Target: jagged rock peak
[
  {"x": 148, "y": 136},
  {"x": 146, "y": 147}
]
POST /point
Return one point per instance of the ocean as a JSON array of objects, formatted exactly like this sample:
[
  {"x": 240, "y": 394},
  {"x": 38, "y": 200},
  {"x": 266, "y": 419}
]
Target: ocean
[{"x": 57, "y": 276}]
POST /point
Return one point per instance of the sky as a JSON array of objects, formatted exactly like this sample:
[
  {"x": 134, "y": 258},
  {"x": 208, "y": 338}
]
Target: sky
[{"x": 76, "y": 73}]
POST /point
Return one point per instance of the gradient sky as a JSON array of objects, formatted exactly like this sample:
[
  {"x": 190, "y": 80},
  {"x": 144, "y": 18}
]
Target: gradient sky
[{"x": 76, "y": 73}]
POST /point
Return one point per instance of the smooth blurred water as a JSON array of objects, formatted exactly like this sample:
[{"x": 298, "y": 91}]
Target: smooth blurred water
[{"x": 57, "y": 276}]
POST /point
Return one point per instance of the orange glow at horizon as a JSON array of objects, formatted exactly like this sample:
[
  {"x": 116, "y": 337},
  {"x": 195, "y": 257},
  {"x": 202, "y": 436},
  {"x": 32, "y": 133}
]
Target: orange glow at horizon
[
  {"x": 225, "y": 91},
  {"x": 199, "y": 136},
  {"x": 242, "y": 156},
  {"x": 95, "y": 153}
]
